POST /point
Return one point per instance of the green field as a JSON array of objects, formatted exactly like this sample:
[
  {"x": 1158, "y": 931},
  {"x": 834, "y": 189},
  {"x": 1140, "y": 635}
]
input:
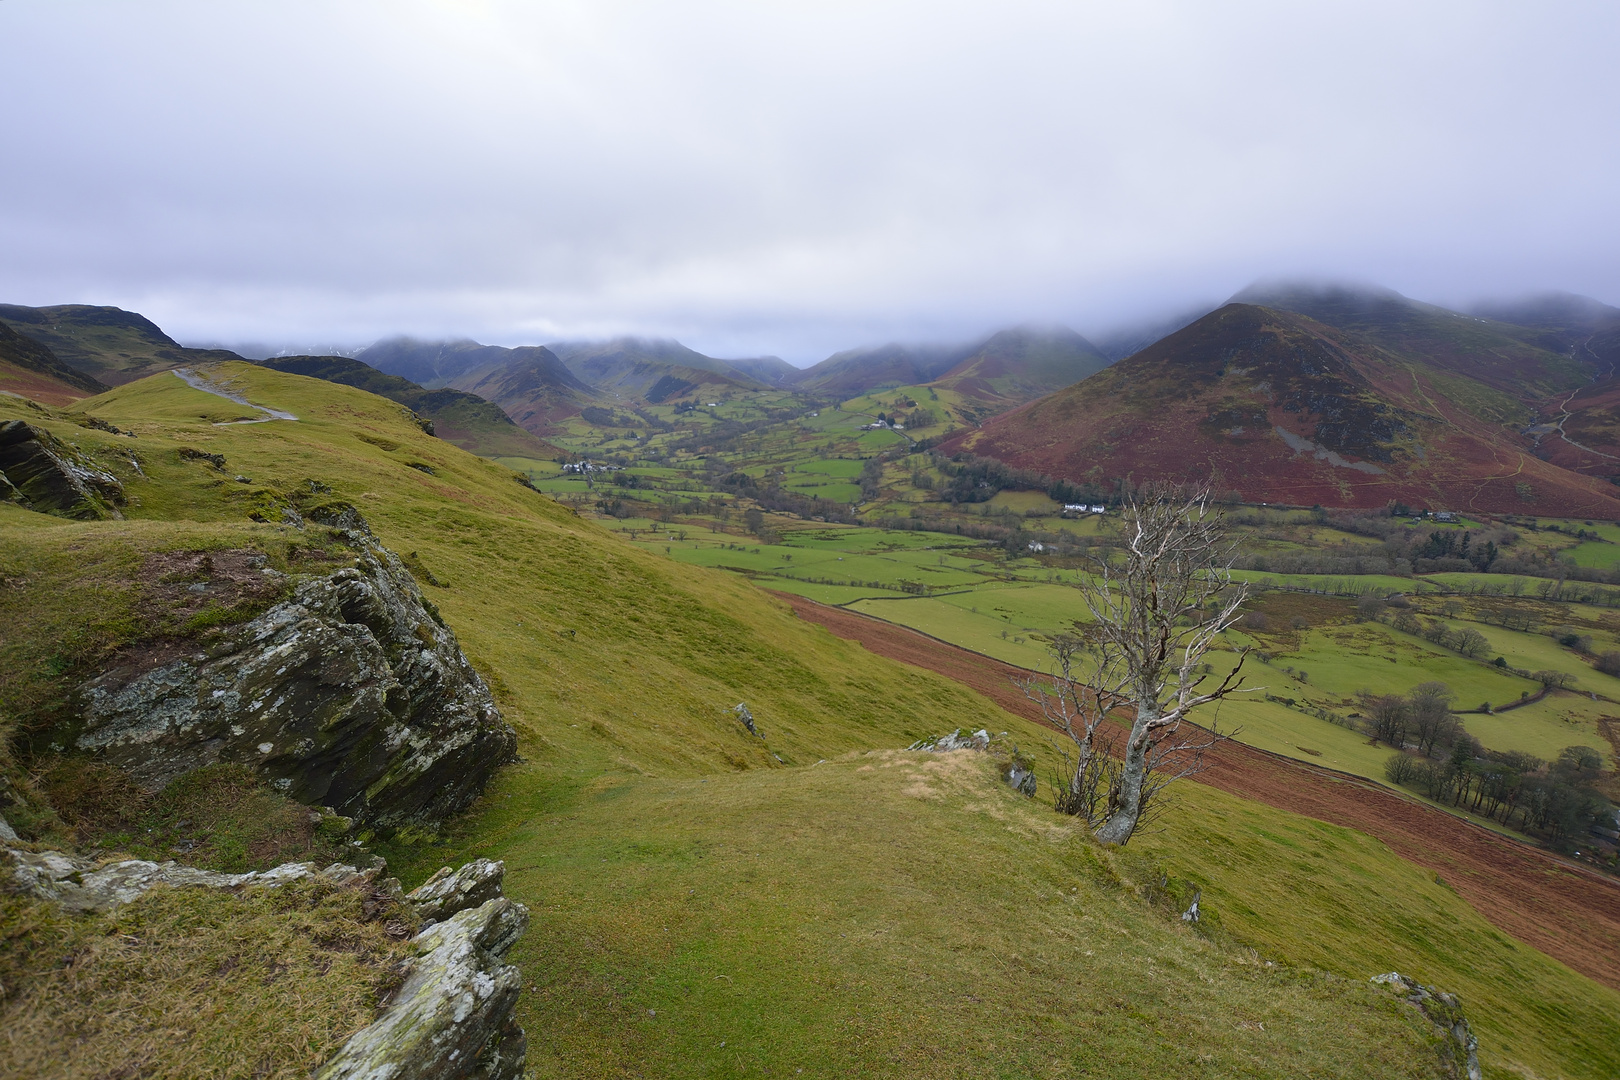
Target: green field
[
  {"x": 1604, "y": 555},
  {"x": 1342, "y": 661},
  {"x": 1544, "y": 728},
  {"x": 1287, "y": 731}
]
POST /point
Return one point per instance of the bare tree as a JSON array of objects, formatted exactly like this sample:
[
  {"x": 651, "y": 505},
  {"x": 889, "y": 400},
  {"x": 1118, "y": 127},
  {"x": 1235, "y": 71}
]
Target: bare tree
[
  {"x": 1074, "y": 705},
  {"x": 1151, "y": 627},
  {"x": 1430, "y": 712},
  {"x": 1389, "y": 718}
]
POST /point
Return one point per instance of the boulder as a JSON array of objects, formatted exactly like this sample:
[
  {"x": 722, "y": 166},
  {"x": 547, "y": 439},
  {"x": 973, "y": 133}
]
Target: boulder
[
  {"x": 352, "y": 694},
  {"x": 43, "y": 473},
  {"x": 451, "y": 891},
  {"x": 453, "y": 1017},
  {"x": 1018, "y": 773}
]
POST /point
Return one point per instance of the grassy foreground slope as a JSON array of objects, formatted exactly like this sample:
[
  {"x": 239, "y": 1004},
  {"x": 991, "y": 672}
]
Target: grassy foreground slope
[{"x": 882, "y": 913}]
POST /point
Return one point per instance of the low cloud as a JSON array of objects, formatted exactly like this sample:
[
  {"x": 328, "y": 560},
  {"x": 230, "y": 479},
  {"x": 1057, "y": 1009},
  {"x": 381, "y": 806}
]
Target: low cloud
[{"x": 791, "y": 178}]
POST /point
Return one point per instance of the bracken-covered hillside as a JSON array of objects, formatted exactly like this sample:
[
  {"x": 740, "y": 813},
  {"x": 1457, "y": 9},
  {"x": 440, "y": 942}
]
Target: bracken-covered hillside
[{"x": 1281, "y": 408}]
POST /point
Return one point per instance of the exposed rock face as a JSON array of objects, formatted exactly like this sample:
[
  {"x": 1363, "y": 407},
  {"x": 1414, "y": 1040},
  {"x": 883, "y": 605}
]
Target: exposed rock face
[
  {"x": 452, "y": 1018},
  {"x": 80, "y": 884},
  {"x": 1019, "y": 774},
  {"x": 448, "y": 892},
  {"x": 1444, "y": 1011},
  {"x": 353, "y": 695},
  {"x": 43, "y": 473}
]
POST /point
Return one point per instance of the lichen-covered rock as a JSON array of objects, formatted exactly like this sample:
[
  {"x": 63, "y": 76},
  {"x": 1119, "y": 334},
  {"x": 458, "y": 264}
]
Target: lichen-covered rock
[
  {"x": 43, "y": 473},
  {"x": 1018, "y": 773},
  {"x": 451, "y": 891},
  {"x": 452, "y": 1018},
  {"x": 1445, "y": 1012},
  {"x": 353, "y": 695},
  {"x": 944, "y": 744},
  {"x": 83, "y": 885}
]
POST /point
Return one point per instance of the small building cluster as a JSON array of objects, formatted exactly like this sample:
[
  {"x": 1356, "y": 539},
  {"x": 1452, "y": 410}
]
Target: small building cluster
[{"x": 1084, "y": 508}]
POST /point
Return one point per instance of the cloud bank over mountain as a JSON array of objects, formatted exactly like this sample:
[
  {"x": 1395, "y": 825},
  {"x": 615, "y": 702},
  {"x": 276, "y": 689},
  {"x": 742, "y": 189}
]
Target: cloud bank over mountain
[{"x": 791, "y": 179}]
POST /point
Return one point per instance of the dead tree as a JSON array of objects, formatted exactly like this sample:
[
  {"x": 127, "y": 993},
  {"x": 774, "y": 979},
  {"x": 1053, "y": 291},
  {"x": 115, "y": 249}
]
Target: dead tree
[
  {"x": 1157, "y": 607},
  {"x": 1075, "y": 706}
]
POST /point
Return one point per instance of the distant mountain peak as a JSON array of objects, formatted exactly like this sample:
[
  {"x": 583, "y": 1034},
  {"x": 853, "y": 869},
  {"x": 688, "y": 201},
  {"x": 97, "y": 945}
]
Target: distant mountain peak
[{"x": 1286, "y": 293}]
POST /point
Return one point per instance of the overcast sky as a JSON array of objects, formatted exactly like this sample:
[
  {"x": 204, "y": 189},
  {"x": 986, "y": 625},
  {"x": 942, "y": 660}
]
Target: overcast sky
[{"x": 791, "y": 177}]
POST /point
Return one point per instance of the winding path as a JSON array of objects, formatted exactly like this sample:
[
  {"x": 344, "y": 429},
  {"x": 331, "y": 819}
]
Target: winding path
[
  {"x": 1563, "y": 406},
  {"x": 202, "y": 382},
  {"x": 1564, "y": 910}
]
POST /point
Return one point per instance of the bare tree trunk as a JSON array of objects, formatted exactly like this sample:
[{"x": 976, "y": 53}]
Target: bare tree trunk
[
  {"x": 1149, "y": 636},
  {"x": 1126, "y": 798}
]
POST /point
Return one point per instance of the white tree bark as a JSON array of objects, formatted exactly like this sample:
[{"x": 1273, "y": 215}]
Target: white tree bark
[{"x": 1152, "y": 629}]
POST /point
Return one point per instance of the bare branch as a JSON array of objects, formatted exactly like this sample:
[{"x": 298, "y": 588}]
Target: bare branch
[{"x": 1152, "y": 622}]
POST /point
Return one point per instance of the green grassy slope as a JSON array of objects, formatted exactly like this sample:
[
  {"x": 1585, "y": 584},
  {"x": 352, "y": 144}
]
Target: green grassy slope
[
  {"x": 885, "y": 915},
  {"x": 459, "y": 417}
]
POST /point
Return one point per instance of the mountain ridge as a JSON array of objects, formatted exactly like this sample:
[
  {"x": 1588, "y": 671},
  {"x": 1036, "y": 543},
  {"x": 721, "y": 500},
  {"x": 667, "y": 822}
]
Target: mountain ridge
[
  {"x": 1282, "y": 408},
  {"x": 111, "y": 345}
]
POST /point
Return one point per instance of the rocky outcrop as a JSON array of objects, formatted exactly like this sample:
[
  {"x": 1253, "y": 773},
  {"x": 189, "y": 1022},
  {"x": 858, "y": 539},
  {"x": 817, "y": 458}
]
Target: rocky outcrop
[
  {"x": 84, "y": 885},
  {"x": 1445, "y": 1012},
  {"x": 451, "y": 891},
  {"x": 43, "y": 473},
  {"x": 352, "y": 694},
  {"x": 944, "y": 744},
  {"x": 453, "y": 1017}
]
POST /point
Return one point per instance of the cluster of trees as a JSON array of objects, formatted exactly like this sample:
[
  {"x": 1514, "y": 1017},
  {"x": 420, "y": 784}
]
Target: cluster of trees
[
  {"x": 1474, "y": 645},
  {"x": 1467, "y": 641},
  {"x": 595, "y": 414},
  {"x": 973, "y": 479},
  {"x": 1496, "y": 550},
  {"x": 772, "y": 496},
  {"x": 1437, "y": 757},
  {"x": 1446, "y": 545},
  {"x": 1556, "y": 800},
  {"x": 1422, "y": 719},
  {"x": 871, "y": 477}
]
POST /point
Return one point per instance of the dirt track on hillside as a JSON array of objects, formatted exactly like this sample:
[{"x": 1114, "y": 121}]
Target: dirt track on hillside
[{"x": 1563, "y": 910}]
